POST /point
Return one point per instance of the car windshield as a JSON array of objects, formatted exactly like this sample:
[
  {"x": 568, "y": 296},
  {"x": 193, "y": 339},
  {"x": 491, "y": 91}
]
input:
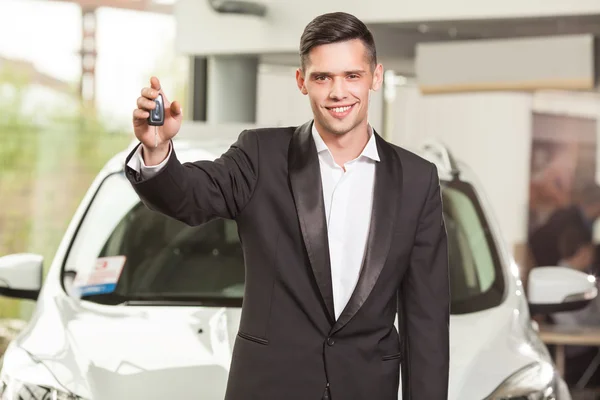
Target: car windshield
[{"x": 124, "y": 252}]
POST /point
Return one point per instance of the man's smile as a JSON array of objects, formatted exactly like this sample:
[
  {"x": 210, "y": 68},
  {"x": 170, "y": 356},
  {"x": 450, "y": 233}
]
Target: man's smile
[{"x": 340, "y": 111}]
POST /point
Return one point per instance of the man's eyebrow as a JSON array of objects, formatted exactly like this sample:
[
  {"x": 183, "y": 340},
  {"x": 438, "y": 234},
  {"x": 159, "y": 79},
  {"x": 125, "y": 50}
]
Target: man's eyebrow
[
  {"x": 319, "y": 73},
  {"x": 351, "y": 72},
  {"x": 356, "y": 71}
]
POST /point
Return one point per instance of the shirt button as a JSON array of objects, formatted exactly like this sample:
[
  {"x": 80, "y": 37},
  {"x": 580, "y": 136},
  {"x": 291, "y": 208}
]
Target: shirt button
[{"x": 330, "y": 342}]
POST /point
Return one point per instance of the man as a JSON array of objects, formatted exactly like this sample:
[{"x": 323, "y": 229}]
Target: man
[
  {"x": 338, "y": 227},
  {"x": 544, "y": 241}
]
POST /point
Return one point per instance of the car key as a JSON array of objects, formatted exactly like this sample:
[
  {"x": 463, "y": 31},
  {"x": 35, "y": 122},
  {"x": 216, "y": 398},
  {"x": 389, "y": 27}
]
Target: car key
[{"x": 157, "y": 117}]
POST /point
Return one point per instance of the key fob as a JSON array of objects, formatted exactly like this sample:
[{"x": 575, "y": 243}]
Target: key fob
[{"x": 157, "y": 116}]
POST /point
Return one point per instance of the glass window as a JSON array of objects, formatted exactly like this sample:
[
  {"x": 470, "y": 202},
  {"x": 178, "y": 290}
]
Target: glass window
[
  {"x": 165, "y": 260},
  {"x": 476, "y": 279}
]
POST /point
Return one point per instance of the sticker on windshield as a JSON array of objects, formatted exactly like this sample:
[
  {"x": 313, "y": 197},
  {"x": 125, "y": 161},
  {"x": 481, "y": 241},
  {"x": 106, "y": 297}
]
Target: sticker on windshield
[{"x": 102, "y": 278}]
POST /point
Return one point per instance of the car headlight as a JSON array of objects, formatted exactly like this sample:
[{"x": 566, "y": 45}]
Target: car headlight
[
  {"x": 535, "y": 381},
  {"x": 12, "y": 389}
]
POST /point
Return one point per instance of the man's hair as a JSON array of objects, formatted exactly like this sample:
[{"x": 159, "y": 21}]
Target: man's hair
[{"x": 332, "y": 28}]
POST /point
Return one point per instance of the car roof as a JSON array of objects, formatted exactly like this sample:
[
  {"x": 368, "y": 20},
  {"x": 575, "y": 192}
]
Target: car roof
[
  {"x": 195, "y": 141},
  {"x": 198, "y": 141}
]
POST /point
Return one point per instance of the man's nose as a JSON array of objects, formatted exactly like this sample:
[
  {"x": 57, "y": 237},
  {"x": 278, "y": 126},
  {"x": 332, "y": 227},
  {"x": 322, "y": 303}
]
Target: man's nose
[{"x": 338, "y": 89}]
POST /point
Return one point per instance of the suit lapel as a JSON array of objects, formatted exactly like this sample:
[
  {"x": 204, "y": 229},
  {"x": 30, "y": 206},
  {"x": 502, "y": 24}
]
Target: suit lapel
[
  {"x": 386, "y": 196},
  {"x": 305, "y": 178}
]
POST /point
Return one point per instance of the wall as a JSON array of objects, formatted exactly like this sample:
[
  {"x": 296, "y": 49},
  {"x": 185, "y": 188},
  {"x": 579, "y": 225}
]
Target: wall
[
  {"x": 490, "y": 132},
  {"x": 279, "y": 101}
]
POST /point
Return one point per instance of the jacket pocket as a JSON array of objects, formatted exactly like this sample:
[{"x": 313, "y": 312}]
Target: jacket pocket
[
  {"x": 394, "y": 356},
  {"x": 253, "y": 338}
]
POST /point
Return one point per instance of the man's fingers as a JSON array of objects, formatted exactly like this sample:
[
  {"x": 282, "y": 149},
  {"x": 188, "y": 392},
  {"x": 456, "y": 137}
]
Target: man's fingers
[
  {"x": 140, "y": 114},
  {"x": 154, "y": 90},
  {"x": 145, "y": 104},
  {"x": 175, "y": 108},
  {"x": 149, "y": 93},
  {"x": 155, "y": 83}
]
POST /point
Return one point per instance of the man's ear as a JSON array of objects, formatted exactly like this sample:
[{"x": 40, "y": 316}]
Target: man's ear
[
  {"x": 377, "y": 77},
  {"x": 300, "y": 81}
]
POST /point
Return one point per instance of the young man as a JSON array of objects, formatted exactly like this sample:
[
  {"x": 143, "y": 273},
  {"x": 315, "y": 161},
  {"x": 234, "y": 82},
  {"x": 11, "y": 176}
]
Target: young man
[{"x": 340, "y": 230}]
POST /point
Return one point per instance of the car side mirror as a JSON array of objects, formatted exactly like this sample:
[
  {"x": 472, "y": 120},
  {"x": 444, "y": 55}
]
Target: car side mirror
[
  {"x": 21, "y": 275},
  {"x": 558, "y": 289}
]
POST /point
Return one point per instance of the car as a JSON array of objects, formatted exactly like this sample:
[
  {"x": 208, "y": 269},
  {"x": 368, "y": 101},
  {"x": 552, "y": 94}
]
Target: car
[{"x": 136, "y": 305}]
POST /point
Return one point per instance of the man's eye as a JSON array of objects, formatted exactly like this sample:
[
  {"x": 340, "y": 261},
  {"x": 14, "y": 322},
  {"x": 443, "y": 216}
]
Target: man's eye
[
  {"x": 321, "y": 78},
  {"x": 353, "y": 76}
]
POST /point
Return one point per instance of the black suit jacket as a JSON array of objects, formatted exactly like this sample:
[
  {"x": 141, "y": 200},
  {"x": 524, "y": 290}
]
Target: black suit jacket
[{"x": 289, "y": 345}]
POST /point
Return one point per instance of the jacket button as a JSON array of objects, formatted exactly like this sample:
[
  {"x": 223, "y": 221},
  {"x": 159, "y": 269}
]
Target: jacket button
[{"x": 330, "y": 341}]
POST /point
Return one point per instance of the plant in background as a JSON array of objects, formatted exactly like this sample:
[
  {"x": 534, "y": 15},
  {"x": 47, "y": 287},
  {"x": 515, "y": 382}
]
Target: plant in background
[{"x": 50, "y": 151}]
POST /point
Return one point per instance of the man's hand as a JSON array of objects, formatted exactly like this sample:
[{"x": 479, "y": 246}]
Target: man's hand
[{"x": 145, "y": 133}]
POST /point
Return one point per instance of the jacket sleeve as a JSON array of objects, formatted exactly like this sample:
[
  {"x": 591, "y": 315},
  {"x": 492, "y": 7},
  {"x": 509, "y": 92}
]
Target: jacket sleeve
[
  {"x": 424, "y": 305},
  {"x": 197, "y": 192}
]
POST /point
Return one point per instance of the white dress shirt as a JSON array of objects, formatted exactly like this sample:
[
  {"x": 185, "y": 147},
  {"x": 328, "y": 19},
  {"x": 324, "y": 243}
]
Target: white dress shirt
[
  {"x": 348, "y": 204},
  {"x": 136, "y": 162},
  {"x": 348, "y": 198}
]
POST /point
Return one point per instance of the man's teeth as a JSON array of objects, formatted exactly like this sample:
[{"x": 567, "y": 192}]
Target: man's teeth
[{"x": 341, "y": 109}]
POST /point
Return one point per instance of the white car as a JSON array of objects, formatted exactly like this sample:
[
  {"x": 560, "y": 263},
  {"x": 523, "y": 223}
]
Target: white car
[{"x": 140, "y": 306}]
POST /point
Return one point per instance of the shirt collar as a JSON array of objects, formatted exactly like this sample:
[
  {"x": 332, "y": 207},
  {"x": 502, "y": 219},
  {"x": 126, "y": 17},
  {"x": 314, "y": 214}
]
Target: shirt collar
[{"x": 370, "y": 150}]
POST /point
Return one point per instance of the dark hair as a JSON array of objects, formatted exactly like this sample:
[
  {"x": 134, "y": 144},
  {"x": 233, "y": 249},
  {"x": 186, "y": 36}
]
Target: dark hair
[
  {"x": 332, "y": 28},
  {"x": 571, "y": 239}
]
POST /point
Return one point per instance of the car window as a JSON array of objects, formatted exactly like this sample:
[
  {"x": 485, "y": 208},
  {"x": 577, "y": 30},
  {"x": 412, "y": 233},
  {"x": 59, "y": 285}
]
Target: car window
[
  {"x": 167, "y": 260},
  {"x": 164, "y": 259},
  {"x": 476, "y": 280}
]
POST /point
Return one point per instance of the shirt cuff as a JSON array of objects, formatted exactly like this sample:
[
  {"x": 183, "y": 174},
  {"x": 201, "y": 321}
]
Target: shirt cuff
[{"x": 136, "y": 162}]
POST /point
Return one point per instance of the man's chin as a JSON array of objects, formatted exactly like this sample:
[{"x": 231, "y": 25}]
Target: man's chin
[{"x": 340, "y": 128}]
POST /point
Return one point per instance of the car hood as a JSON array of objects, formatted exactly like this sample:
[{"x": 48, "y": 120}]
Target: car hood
[
  {"x": 134, "y": 352},
  {"x": 141, "y": 352}
]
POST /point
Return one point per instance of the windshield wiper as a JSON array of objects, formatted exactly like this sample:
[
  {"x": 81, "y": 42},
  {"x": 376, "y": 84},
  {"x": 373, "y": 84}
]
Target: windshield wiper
[
  {"x": 161, "y": 299},
  {"x": 182, "y": 301},
  {"x": 160, "y": 302}
]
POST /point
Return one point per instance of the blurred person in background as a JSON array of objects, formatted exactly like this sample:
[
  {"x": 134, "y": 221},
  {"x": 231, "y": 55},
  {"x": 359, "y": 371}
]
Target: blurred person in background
[
  {"x": 580, "y": 216},
  {"x": 326, "y": 272}
]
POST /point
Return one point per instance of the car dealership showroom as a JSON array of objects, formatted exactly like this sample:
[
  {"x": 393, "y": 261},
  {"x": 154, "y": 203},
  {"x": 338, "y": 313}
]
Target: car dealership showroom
[{"x": 299, "y": 200}]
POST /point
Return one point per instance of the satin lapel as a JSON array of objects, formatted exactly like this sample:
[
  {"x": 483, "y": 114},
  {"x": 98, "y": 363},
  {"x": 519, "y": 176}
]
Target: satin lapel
[
  {"x": 386, "y": 196},
  {"x": 305, "y": 179}
]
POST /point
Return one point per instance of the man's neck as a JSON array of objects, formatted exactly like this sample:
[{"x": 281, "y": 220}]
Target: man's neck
[{"x": 348, "y": 146}]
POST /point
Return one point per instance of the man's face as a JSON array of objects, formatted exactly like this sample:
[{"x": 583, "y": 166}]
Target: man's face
[{"x": 337, "y": 79}]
